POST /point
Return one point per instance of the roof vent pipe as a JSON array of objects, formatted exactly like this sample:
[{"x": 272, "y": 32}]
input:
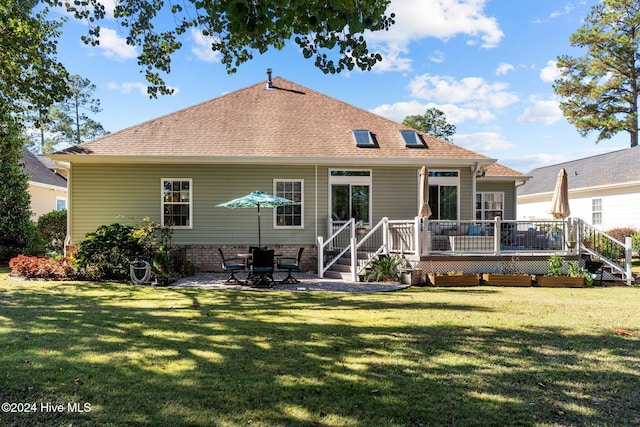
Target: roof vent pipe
[{"x": 269, "y": 81}]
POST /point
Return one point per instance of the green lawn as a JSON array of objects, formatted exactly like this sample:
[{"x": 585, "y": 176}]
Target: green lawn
[{"x": 142, "y": 356}]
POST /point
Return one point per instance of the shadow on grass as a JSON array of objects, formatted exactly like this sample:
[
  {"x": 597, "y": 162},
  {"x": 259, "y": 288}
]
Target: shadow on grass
[{"x": 152, "y": 357}]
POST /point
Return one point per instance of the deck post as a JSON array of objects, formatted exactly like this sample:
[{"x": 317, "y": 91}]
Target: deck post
[
  {"x": 320, "y": 257},
  {"x": 628, "y": 255},
  {"x": 354, "y": 259},
  {"x": 497, "y": 230}
]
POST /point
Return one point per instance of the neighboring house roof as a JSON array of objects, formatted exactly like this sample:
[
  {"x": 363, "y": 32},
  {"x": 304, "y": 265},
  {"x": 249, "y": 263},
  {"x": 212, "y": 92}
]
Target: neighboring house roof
[
  {"x": 283, "y": 124},
  {"x": 613, "y": 168},
  {"x": 39, "y": 173}
]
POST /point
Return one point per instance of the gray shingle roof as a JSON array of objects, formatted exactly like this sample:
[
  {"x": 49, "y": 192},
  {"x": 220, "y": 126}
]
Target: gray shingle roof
[
  {"x": 615, "y": 167},
  {"x": 40, "y": 173}
]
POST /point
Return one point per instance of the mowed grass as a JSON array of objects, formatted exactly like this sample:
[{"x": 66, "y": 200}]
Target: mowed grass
[{"x": 144, "y": 356}]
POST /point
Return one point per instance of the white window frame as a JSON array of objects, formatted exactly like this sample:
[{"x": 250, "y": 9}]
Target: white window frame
[
  {"x": 352, "y": 180},
  {"x": 61, "y": 199},
  {"x": 163, "y": 202},
  {"x": 596, "y": 203},
  {"x": 447, "y": 181},
  {"x": 275, "y": 211},
  {"x": 482, "y": 209}
]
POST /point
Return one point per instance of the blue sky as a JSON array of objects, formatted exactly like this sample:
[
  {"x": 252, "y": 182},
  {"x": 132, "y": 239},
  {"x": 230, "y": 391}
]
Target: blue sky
[{"x": 488, "y": 64}]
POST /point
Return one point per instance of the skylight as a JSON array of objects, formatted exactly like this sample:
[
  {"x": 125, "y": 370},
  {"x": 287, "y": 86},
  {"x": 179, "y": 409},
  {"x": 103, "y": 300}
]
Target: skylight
[
  {"x": 412, "y": 139},
  {"x": 364, "y": 138}
]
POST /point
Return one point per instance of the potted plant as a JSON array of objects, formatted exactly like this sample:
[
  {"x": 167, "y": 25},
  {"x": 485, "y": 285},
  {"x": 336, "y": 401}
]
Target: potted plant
[
  {"x": 509, "y": 275},
  {"x": 453, "y": 278},
  {"x": 561, "y": 275}
]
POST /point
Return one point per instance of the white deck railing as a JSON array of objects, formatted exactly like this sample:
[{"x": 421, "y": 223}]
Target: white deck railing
[{"x": 420, "y": 237}]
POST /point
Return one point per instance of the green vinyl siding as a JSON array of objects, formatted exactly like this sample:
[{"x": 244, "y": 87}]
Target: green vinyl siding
[
  {"x": 395, "y": 193},
  {"x": 104, "y": 194}
]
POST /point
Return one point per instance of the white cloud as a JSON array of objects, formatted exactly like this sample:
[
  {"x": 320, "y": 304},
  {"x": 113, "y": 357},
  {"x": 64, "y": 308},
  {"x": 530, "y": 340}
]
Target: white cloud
[
  {"x": 202, "y": 47},
  {"x": 127, "y": 87},
  {"x": 555, "y": 14},
  {"x": 115, "y": 47},
  {"x": 437, "y": 57},
  {"x": 470, "y": 91},
  {"x": 550, "y": 73},
  {"x": 455, "y": 114},
  {"x": 109, "y": 6},
  {"x": 442, "y": 19},
  {"x": 392, "y": 59},
  {"x": 504, "y": 68},
  {"x": 141, "y": 88},
  {"x": 542, "y": 111},
  {"x": 399, "y": 110},
  {"x": 483, "y": 141}
]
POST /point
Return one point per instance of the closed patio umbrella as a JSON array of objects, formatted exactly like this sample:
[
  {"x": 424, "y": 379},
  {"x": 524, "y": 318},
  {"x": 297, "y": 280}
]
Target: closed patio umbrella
[
  {"x": 257, "y": 199},
  {"x": 560, "y": 201},
  {"x": 424, "y": 211}
]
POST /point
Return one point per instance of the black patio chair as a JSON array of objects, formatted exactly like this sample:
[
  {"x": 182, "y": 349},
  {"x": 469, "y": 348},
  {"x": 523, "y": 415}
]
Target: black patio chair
[
  {"x": 595, "y": 268},
  {"x": 232, "y": 265},
  {"x": 261, "y": 274},
  {"x": 290, "y": 264}
]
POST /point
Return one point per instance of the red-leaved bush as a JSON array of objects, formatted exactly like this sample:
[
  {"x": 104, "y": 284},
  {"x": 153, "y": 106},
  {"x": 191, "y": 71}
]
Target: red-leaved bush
[{"x": 32, "y": 267}]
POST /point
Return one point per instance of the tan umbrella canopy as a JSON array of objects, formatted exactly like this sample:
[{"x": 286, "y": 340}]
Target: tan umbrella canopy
[
  {"x": 560, "y": 201},
  {"x": 425, "y": 210}
]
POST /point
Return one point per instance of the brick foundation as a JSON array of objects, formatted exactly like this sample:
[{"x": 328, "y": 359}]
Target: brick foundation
[{"x": 207, "y": 257}]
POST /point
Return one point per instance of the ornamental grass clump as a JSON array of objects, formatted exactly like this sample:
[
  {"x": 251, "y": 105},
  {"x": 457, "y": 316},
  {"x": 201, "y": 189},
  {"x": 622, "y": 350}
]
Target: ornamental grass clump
[{"x": 384, "y": 269}]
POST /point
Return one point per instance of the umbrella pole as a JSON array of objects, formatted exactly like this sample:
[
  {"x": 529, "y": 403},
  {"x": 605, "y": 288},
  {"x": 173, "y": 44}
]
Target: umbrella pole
[{"x": 259, "y": 237}]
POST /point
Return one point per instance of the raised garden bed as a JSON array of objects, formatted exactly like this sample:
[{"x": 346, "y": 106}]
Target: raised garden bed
[
  {"x": 559, "y": 282},
  {"x": 454, "y": 280},
  {"x": 520, "y": 280}
]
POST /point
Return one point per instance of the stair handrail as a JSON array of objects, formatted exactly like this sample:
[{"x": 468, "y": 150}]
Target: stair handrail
[
  {"x": 592, "y": 241},
  {"x": 322, "y": 245},
  {"x": 384, "y": 248}
]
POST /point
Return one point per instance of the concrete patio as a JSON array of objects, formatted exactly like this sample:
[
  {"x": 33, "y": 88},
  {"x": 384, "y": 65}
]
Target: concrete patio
[{"x": 308, "y": 283}]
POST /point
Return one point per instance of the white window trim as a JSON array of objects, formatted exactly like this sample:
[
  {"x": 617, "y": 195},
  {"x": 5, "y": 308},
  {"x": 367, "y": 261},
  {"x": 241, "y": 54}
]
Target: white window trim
[
  {"x": 593, "y": 211},
  {"x": 58, "y": 198},
  {"x": 275, "y": 211},
  {"x": 177, "y": 227},
  {"x": 449, "y": 181},
  {"x": 352, "y": 180}
]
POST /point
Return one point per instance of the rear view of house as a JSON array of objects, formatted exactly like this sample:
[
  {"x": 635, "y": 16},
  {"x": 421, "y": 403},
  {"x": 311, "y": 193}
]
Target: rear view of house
[{"x": 339, "y": 162}]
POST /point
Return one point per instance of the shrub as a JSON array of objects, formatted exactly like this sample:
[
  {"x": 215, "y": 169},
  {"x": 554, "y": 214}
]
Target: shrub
[
  {"x": 52, "y": 227},
  {"x": 635, "y": 242},
  {"x": 41, "y": 268},
  {"x": 107, "y": 252},
  {"x": 621, "y": 232}
]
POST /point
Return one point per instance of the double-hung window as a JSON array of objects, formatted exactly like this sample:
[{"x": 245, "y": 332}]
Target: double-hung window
[
  {"x": 596, "y": 211},
  {"x": 177, "y": 199},
  {"x": 289, "y": 216}
]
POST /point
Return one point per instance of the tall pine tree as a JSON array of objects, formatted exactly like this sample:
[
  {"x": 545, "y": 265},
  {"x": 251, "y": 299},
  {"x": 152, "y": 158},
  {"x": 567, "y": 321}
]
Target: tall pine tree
[{"x": 600, "y": 89}]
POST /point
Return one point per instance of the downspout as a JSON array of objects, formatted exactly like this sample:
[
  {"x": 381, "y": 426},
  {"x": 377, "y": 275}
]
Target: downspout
[
  {"x": 67, "y": 238},
  {"x": 316, "y": 204}
]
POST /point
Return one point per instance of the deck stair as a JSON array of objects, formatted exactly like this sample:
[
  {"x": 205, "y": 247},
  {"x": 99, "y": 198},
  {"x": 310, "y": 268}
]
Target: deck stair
[{"x": 341, "y": 269}]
